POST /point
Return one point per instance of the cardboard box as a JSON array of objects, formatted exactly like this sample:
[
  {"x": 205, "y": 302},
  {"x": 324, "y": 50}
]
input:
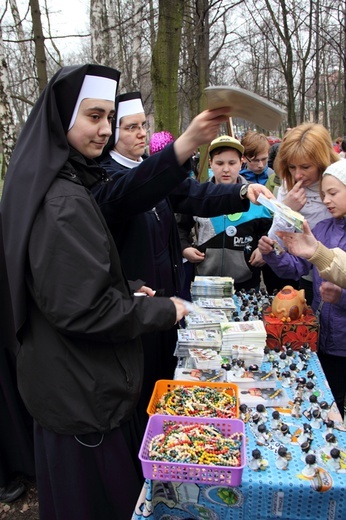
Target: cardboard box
[{"x": 296, "y": 332}]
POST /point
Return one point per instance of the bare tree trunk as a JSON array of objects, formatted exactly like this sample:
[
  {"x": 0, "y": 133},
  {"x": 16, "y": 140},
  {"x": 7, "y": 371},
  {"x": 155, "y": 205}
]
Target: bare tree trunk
[
  {"x": 202, "y": 55},
  {"x": 137, "y": 44},
  {"x": 7, "y": 128},
  {"x": 23, "y": 48},
  {"x": 116, "y": 42},
  {"x": 41, "y": 62},
  {"x": 164, "y": 66},
  {"x": 100, "y": 49},
  {"x": 317, "y": 81},
  {"x": 202, "y": 47},
  {"x": 344, "y": 70},
  {"x": 283, "y": 32}
]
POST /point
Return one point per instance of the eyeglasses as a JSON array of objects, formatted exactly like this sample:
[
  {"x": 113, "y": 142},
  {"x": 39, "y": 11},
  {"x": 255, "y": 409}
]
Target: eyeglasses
[
  {"x": 133, "y": 128},
  {"x": 257, "y": 161}
]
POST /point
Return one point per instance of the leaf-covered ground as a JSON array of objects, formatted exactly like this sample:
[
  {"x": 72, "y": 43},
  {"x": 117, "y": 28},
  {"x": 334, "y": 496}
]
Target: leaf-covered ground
[{"x": 25, "y": 508}]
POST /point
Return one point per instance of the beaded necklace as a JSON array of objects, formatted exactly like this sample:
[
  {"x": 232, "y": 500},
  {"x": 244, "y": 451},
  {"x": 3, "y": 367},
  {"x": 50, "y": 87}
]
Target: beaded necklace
[{"x": 197, "y": 401}]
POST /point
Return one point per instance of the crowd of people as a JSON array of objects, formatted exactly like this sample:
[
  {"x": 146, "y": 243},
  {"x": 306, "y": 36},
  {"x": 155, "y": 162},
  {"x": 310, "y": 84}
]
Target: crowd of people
[{"x": 93, "y": 235}]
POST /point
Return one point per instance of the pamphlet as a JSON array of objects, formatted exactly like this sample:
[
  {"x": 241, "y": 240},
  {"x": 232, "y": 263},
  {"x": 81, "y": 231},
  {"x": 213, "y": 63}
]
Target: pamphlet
[
  {"x": 248, "y": 379},
  {"x": 245, "y": 104},
  {"x": 281, "y": 210},
  {"x": 253, "y": 396}
]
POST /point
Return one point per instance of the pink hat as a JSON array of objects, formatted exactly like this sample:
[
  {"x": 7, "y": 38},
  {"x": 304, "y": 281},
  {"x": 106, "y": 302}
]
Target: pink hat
[{"x": 159, "y": 140}]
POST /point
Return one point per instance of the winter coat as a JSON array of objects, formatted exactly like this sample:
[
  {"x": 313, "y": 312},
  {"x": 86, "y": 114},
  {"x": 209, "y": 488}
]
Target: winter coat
[
  {"x": 80, "y": 364},
  {"x": 228, "y": 242},
  {"x": 250, "y": 176},
  {"x": 331, "y": 264}
]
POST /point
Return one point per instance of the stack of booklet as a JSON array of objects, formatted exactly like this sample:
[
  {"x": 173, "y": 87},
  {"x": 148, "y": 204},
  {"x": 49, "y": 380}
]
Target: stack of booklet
[
  {"x": 244, "y": 340},
  {"x": 213, "y": 286},
  {"x": 197, "y": 338},
  {"x": 206, "y": 358},
  {"x": 226, "y": 305},
  {"x": 206, "y": 320}
]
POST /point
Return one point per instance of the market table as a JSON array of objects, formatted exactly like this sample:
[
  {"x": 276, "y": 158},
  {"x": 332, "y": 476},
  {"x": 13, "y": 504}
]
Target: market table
[{"x": 265, "y": 494}]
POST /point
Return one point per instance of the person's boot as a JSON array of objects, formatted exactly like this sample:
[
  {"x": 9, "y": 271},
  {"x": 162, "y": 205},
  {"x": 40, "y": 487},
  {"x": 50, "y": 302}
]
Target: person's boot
[{"x": 11, "y": 492}]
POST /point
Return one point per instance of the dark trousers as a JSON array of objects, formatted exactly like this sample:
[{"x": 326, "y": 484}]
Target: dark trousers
[{"x": 92, "y": 478}]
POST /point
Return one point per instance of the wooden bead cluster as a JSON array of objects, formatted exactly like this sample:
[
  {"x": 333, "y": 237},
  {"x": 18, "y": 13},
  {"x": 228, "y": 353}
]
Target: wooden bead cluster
[
  {"x": 196, "y": 444},
  {"x": 197, "y": 401}
]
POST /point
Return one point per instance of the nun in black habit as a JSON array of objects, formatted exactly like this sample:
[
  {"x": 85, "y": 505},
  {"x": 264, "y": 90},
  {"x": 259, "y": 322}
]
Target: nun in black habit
[{"x": 77, "y": 325}]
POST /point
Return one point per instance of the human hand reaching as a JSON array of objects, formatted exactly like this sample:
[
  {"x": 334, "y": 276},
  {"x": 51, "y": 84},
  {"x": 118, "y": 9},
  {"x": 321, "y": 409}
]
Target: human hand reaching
[
  {"x": 180, "y": 308},
  {"x": 193, "y": 255},
  {"x": 202, "y": 130},
  {"x": 300, "y": 244}
]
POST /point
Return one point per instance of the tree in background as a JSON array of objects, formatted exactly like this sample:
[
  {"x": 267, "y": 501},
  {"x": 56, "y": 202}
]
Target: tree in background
[
  {"x": 165, "y": 65},
  {"x": 7, "y": 128},
  {"x": 294, "y": 54}
]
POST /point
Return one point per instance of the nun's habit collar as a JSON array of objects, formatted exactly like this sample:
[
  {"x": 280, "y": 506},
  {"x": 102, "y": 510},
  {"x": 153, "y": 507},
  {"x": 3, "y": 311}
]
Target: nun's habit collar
[{"x": 40, "y": 153}]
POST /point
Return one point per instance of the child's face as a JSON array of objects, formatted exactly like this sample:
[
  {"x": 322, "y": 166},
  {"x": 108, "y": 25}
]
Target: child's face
[
  {"x": 334, "y": 196},
  {"x": 226, "y": 166},
  {"x": 92, "y": 127},
  {"x": 257, "y": 163}
]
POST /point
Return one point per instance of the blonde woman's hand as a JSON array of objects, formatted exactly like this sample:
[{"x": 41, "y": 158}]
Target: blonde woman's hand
[{"x": 296, "y": 197}]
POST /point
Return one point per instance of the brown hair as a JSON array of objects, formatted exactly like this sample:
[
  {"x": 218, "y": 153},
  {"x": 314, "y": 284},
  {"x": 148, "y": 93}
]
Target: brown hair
[
  {"x": 306, "y": 142},
  {"x": 254, "y": 144}
]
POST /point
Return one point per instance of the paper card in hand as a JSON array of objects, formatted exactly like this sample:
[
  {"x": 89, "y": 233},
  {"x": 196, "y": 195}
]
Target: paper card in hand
[
  {"x": 281, "y": 210},
  {"x": 245, "y": 104}
]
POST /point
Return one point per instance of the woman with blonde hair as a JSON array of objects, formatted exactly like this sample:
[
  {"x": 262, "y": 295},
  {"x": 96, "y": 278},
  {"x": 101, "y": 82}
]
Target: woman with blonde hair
[{"x": 304, "y": 154}]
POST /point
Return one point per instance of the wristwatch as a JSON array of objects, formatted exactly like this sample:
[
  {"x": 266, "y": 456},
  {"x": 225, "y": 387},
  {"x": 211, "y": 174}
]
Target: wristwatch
[{"x": 243, "y": 191}]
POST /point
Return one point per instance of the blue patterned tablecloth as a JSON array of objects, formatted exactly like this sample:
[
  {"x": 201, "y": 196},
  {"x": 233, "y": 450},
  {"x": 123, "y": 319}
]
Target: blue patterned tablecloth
[{"x": 263, "y": 495}]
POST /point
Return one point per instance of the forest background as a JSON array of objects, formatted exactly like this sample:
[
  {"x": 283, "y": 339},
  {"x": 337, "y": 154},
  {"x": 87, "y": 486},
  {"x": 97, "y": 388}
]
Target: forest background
[{"x": 291, "y": 52}]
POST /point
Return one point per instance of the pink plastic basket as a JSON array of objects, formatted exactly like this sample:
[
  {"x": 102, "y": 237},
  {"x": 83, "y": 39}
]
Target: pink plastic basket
[{"x": 197, "y": 473}]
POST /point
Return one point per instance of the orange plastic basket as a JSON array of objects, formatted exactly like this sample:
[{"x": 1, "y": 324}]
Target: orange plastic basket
[{"x": 166, "y": 385}]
